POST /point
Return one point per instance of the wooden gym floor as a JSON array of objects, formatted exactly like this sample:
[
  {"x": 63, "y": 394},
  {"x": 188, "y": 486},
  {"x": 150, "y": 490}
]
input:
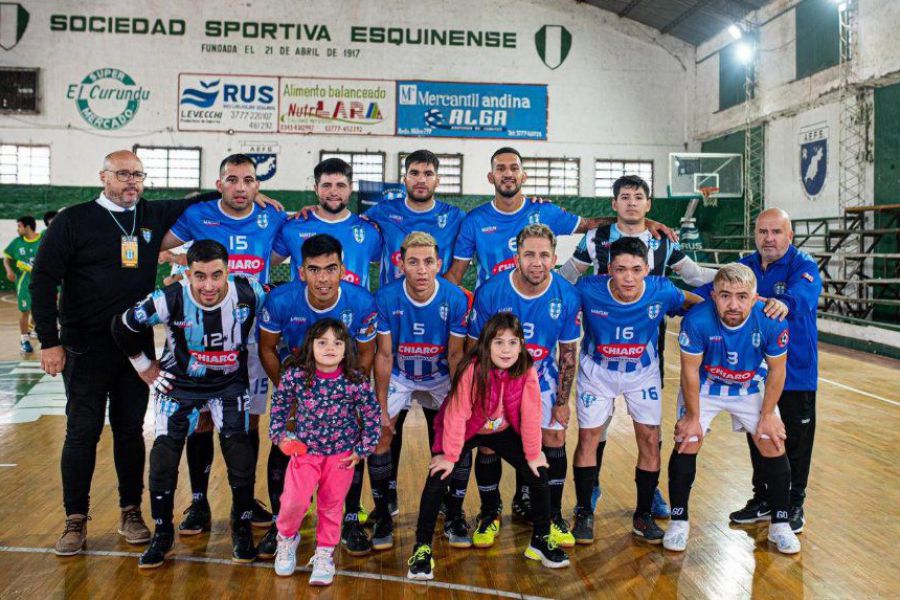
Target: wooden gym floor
[{"x": 853, "y": 511}]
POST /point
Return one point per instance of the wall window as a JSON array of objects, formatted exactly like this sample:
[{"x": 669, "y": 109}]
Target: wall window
[
  {"x": 24, "y": 164},
  {"x": 607, "y": 171},
  {"x": 450, "y": 171},
  {"x": 366, "y": 165},
  {"x": 818, "y": 44},
  {"x": 18, "y": 89},
  {"x": 733, "y": 72},
  {"x": 551, "y": 176},
  {"x": 170, "y": 167}
]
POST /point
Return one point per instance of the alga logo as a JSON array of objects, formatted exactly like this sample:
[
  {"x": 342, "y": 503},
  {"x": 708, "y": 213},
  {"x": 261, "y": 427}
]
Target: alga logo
[{"x": 107, "y": 98}]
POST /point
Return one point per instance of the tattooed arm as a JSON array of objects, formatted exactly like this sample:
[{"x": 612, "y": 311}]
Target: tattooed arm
[{"x": 561, "y": 410}]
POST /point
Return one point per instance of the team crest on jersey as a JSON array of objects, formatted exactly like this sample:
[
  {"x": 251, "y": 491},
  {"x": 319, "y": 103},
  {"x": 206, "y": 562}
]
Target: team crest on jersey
[
  {"x": 265, "y": 315},
  {"x": 442, "y": 221},
  {"x": 653, "y": 244},
  {"x": 147, "y": 234},
  {"x": 140, "y": 314},
  {"x": 444, "y": 311},
  {"x": 756, "y": 339},
  {"x": 534, "y": 218},
  {"x": 359, "y": 234},
  {"x": 555, "y": 308},
  {"x": 262, "y": 220},
  {"x": 347, "y": 317},
  {"x": 780, "y": 288},
  {"x": 653, "y": 310},
  {"x": 241, "y": 313}
]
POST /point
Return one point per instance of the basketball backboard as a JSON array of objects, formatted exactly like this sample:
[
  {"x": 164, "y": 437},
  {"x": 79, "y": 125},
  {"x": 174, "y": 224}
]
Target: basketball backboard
[{"x": 720, "y": 175}]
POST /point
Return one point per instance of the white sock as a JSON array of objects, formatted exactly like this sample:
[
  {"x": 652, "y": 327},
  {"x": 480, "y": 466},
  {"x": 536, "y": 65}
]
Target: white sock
[
  {"x": 24, "y": 337},
  {"x": 324, "y": 550}
]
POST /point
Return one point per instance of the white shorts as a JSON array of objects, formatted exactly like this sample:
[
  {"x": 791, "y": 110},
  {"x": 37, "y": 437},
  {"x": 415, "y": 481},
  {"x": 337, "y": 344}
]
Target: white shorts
[
  {"x": 548, "y": 399},
  {"x": 430, "y": 394},
  {"x": 744, "y": 411},
  {"x": 598, "y": 388},
  {"x": 259, "y": 382}
]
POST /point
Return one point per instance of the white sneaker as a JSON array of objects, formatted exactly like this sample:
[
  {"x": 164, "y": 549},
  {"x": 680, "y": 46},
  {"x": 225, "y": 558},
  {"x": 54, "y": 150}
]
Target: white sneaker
[
  {"x": 322, "y": 563},
  {"x": 676, "y": 536},
  {"x": 286, "y": 555},
  {"x": 784, "y": 538}
]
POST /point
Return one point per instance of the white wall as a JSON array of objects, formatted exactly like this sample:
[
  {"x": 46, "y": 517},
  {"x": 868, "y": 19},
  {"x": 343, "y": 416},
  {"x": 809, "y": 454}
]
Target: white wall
[{"x": 623, "y": 92}]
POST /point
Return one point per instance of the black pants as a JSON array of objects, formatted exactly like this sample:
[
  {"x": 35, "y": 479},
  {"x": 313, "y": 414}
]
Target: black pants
[
  {"x": 798, "y": 412},
  {"x": 508, "y": 446},
  {"x": 96, "y": 370}
]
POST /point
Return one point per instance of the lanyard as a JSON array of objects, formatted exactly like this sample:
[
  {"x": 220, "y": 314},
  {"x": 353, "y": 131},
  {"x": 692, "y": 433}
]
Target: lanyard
[{"x": 119, "y": 225}]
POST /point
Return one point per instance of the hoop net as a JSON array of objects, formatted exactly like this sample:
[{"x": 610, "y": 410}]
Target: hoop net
[{"x": 708, "y": 198}]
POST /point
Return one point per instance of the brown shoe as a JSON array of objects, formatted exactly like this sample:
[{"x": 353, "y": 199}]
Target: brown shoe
[
  {"x": 74, "y": 537},
  {"x": 132, "y": 526}
]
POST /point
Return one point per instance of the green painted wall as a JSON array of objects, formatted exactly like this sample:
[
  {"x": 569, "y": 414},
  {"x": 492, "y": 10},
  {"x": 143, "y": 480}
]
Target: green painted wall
[
  {"x": 818, "y": 44},
  {"x": 887, "y": 178}
]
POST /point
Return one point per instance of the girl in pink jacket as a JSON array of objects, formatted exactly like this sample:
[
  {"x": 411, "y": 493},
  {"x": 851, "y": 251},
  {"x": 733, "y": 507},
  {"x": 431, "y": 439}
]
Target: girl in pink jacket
[{"x": 495, "y": 402}]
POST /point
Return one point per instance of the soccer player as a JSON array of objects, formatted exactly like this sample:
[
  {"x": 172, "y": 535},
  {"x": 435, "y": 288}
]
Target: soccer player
[
  {"x": 289, "y": 312},
  {"x": 548, "y": 307},
  {"x": 248, "y": 232},
  {"x": 422, "y": 322},
  {"x": 489, "y": 231},
  {"x": 631, "y": 202},
  {"x": 18, "y": 259},
  {"x": 209, "y": 322},
  {"x": 723, "y": 345},
  {"x": 621, "y": 314},
  {"x": 360, "y": 239}
]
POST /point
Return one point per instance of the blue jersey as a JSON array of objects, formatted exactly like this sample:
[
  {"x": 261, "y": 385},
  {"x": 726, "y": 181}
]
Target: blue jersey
[
  {"x": 420, "y": 332},
  {"x": 287, "y": 311},
  {"x": 396, "y": 221},
  {"x": 491, "y": 234},
  {"x": 732, "y": 357},
  {"x": 624, "y": 336},
  {"x": 359, "y": 238},
  {"x": 249, "y": 240},
  {"x": 547, "y": 320},
  {"x": 793, "y": 279}
]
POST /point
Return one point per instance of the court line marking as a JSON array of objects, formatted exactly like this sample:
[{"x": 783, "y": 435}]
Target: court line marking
[
  {"x": 9, "y": 465},
  {"x": 460, "y": 587},
  {"x": 840, "y": 385}
]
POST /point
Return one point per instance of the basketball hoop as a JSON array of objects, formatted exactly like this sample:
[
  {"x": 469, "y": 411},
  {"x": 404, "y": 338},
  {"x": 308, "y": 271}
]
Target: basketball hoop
[{"x": 708, "y": 198}]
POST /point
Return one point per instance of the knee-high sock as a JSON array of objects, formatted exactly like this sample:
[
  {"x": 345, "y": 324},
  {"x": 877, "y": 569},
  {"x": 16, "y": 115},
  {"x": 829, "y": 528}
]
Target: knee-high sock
[
  {"x": 777, "y": 473},
  {"x": 253, "y": 434},
  {"x": 600, "y": 448},
  {"x": 487, "y": 475},
  {"x": 396, "y": 447},
  {"x": 584, "y": 483},
  {"x": 351, "y": 502},
  {"x": 559, "y": 465},
  {"x": 459, "y": 481},
  {"x": 275, "y": 470},
  {"x": 379, "y": 478},
  {"x": 682, "y": 470},
  {"x": 646, "y": 482},
  {"x": 199, "y": 460}
]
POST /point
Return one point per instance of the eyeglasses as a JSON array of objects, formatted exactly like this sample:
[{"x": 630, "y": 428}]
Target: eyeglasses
[{"x": 126, "y": 175}]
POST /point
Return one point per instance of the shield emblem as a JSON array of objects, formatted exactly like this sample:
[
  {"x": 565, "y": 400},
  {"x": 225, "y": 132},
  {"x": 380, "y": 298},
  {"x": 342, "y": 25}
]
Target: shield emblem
[
  {"x": 553, "y": 43},
  {"x": 444, "y": 311},
  {"x": 587, "y": 399},
  {"x": 13, "y": 22},
  {"x": 683, "y": 339},
  {"x": 780, "y": 288},
  {"x": 653, "y": 310},
  {"x": 359, "y": 234},
  {"x": 347, "y": 317},
  {"x": 555, "y": 308},
  {"x": 266, "y": 165},
  {"x": 262, "y": 220},
  {"x": 756, "y": 339},
  {"x": 653, "y": 244},
  {"x": 241, "y": 313},
  {"x": 534, "y": 218},
  {"x": 813, "y": 158},
  {"x": 442, "y": 221},
  {"x": 147, "y": 234}
]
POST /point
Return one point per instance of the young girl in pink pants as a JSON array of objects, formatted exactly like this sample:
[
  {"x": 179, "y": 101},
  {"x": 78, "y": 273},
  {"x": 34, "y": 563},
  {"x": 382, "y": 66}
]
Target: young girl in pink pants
[{"x": 325, "y": 417}]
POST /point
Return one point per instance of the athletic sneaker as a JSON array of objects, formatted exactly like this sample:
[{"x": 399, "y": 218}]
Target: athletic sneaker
[
  {"x": 521, "y": 507},
  {"x": 198, "y": 519},
  {"x": 797, "y": 519},
  {"x": 487, "y": 529},
  {"x": 261, "y": 516},
  {"x": 74, "y": 536},
  {"x": 322, "y": 563},
  {"x": 157, "y": 552},
  {"x": 243, "y": 549},
  {"x": 457, "y": 532},
  {"x": 286, "y": 554},
  {"x": 583, "y": 527},
  {"x": 132, "y": 526},
  {"x": 394, "y": 507},
  {"x": 660, "y": 508},
  {"x": 546, "y": 551},
  {"x": 786, "y": 540},
  {"x": 645, "y": 528},
  {"x": 25, "y": 346},
  {"x": 753, "y": 512},
  {"x": 596, "y": 494},
  {"x": 676, "y": 536},
  {"x": 560, "y": 533},
  {"x": 268, "y": 545},
  {"x": 354, "y": 539},
  {"x": 421, "y": 563},
  {"x": 383, "y": 534}
]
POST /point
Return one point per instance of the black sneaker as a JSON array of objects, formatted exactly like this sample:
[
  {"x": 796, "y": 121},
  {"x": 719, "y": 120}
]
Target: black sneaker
[
  {"x": 645, "y": 529},
  {"x": 394, "y": 507},
  {"x": 754, "y": 511},
  {"x": 521, "y": 507},
  {"x": 354, "y": 539},
  {"x": 583, "y": 528},
  {"x": 383, "y": 534},
  {"x": 796, "y": 519},
  {"x": 261, "y": 516},
  {"x": 545, "y": 550},
  {"x": 198, "y": 519},
  {"x": 457, "y": 532},
  {"x": 157, "y": 552},
  {"x": 268, "y": 545},
  {"x": 421, "y": 563},
  {"x": 243, "y": 549}
]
